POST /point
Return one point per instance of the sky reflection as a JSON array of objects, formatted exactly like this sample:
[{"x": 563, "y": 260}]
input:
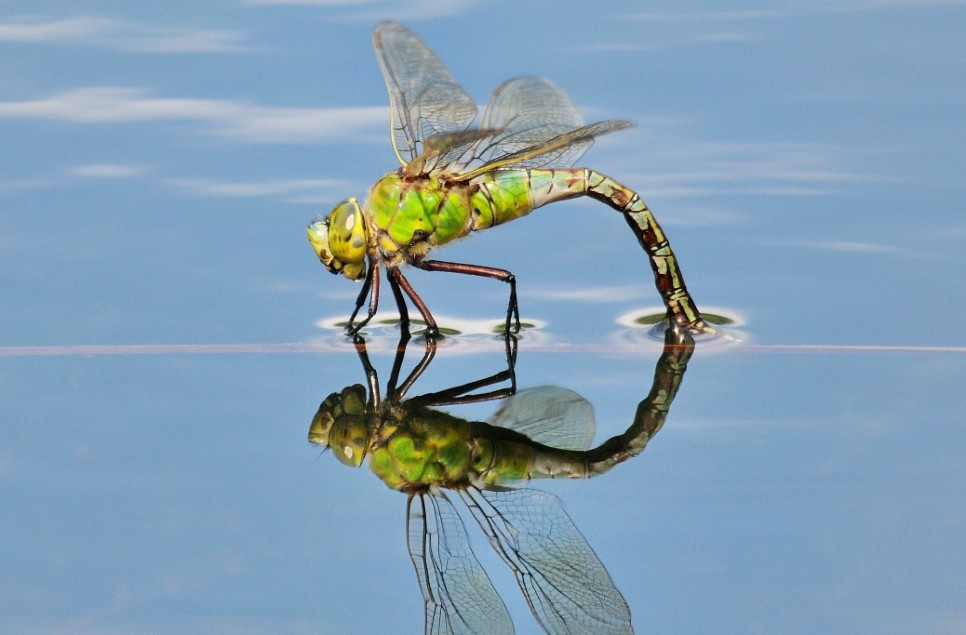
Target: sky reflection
[{"x": 168, "y": 333}]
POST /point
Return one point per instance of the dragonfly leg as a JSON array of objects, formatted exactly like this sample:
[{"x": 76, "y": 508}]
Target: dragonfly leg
[
  {"x": 510, "y": 344},
  {"x": 428, "y": 354},
  {"x": 400, "y": 302},
  {"x": 398, "y": 281},
  {"x": 512, "y": 309},
  {"x": 464, "y": 393},
  {"x": 371, "y": 282},
  {"x": 372, "y": 378}
]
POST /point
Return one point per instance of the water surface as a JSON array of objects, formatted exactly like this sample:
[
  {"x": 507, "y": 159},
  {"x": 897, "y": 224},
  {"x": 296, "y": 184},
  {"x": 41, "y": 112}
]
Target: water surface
[{"x": 167, "y": 335}]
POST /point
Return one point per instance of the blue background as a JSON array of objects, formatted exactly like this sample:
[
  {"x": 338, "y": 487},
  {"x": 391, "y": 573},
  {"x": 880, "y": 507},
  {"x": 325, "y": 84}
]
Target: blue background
[{"x": 167, "y": 331}]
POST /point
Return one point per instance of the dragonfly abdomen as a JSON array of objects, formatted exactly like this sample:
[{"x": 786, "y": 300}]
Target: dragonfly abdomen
[
  {"x": 549, "y": 186},
  {"x": 664, "y": 264}
]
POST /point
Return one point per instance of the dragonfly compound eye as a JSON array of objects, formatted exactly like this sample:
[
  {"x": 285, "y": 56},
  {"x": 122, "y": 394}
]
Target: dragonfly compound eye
[
  {"x": 347, "y": 238},
  {"x": 319, "y": 237},
  {"x": 340, "y": 424},
  {"x": 340, "y": 240},
  {"x": 349, "y": 439}
]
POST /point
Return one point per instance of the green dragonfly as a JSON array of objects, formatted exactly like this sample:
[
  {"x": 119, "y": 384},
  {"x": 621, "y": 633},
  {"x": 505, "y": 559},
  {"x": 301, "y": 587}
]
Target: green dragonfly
[
  {"x": 456, "y": 179},
  {"x": 438, "y": 458}
]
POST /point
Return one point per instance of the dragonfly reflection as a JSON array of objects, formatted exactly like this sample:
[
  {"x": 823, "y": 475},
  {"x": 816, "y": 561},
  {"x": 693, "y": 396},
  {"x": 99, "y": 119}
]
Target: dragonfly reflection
[{"x": 438, "y": 459}]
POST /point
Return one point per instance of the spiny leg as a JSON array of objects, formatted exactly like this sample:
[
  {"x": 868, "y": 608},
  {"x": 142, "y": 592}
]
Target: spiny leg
[
  {"x": 372, "y": 378},
  {"x": 512, "y": 309},
  {"x": 397, "y": 280},
  {"x": 510, "y": 348},
  {"x": 400, "y": 302},
  {"x": 428, "y": 354},
  {"x": 464, "y": 394},
  {"x": 371, "y": 282}
]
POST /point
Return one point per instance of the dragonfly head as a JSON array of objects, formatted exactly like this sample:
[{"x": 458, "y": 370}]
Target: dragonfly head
[
  {"x": 340, "y": 240},
  {"x": 341, "y": 424}
]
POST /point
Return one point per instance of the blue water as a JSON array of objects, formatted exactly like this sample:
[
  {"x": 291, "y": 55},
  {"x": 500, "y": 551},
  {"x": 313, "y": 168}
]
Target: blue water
[{"x": 167, "y": 331}]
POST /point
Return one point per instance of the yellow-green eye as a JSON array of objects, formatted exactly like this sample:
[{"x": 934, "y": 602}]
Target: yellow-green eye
[
  {"x": 340, "y": 424},
  {"x": 347, "y": 235},
  {"x": 319, "y": 237},
  {"x": 349, "y": 439},
  {"x": 340, "y": 240}
]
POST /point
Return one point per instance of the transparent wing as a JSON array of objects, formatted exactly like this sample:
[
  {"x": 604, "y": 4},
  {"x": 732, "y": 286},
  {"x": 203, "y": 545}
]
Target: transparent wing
[
  {"x": 528, "y": 112},
  {"x": 424, "y": 98},
  {"x": 560, "y": 152},
  {"x": 458, "y": 594},
  {"x": 522, "y": 113},
  {"x": 534, "y": 124},
  {"x": 565, "y": 584},
  {"x": 550, "y": 415}
]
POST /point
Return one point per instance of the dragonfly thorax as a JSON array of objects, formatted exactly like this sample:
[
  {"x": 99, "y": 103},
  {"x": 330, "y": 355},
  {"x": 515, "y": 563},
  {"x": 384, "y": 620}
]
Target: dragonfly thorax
[{"x": 409, "y": 217}]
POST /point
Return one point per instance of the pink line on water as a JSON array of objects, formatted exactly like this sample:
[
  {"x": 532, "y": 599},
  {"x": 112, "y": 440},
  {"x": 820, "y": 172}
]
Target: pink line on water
[
  {"x": 90, "y": 350},
  {"x": 94, "y": 350},
  {"x": 855, "y": 348}
]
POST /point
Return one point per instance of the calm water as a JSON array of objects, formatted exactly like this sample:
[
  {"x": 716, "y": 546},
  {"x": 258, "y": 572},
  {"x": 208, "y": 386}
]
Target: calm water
[{"x": 167, "y": 331}]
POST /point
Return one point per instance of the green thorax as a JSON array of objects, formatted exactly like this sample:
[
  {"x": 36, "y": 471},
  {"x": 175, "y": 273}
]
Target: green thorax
[
  {"x": 416, "y": 448},
  {"x": 411, "y": 216}
]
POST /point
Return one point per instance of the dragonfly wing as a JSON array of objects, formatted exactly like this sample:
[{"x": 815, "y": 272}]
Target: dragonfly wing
[
  {"x": 535, "y": 124},
  {"x": 560, "y": 152},
  {"x": 524, "y": 103},
  {"x": 550, "y": 415},
  {"x": 522, "y": 112},
  {"x": 458, "y": 594},
  {"x": 563, "y": 150},
  {"x": 565, "y": 584},
  {"x": 424, "y": 97},
  {"x": 528, "y": 111}
]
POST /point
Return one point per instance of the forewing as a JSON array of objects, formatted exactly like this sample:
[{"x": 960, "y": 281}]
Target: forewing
[
  {"x": 535, "y": 124},
  {"x": 424, "y": 98},
  {"x": 550, "y": 415},
  {"x": 522, "y": 112},
  {"x": 458, "y": 594},
  {"x": 560, "y": 152},
  {"x": 565, "y": 584}
]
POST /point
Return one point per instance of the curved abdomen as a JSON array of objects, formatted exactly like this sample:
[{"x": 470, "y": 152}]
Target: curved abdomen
[{"x": 503, "y": 195}]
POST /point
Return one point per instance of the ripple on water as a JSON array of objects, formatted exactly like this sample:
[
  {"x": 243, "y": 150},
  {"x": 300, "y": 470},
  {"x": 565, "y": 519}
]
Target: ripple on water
[
  {"x": 649, "y": 323},
  {"x": 458, "y": 333}
]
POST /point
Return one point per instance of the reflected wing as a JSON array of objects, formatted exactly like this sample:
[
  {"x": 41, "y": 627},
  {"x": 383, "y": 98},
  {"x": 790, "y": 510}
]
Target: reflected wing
[
  {"x": 459, "y": 595},
  {"x": 565, "y": 584},
  {"x": 534, "y": 124},
  {"x": 424, "y": 98},
  {"x": 550, "y": 415}
]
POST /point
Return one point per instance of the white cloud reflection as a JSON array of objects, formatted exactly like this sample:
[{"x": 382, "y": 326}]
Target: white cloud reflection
[
  {"x": 673, "y": 29},
  {"x": 374, "y": 10},
  {"x": 858, "y": 247},
  {"x": 304, "y": 190},
  {"x": 594, "y": 295},
  {"x": 313, "y": 3},
  {"x": 239, "y": 121},
  {"x": 106, "y": 170},
  {"x": 121, "y": 35},
  {"x": 681, "y": 168},
  {"x": 738, "y": 15}
]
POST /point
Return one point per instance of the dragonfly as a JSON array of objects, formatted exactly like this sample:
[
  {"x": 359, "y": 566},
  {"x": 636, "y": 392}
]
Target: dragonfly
[
  {"x": 440, "y": 460},
  {"x": 456, "y": 179}
]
